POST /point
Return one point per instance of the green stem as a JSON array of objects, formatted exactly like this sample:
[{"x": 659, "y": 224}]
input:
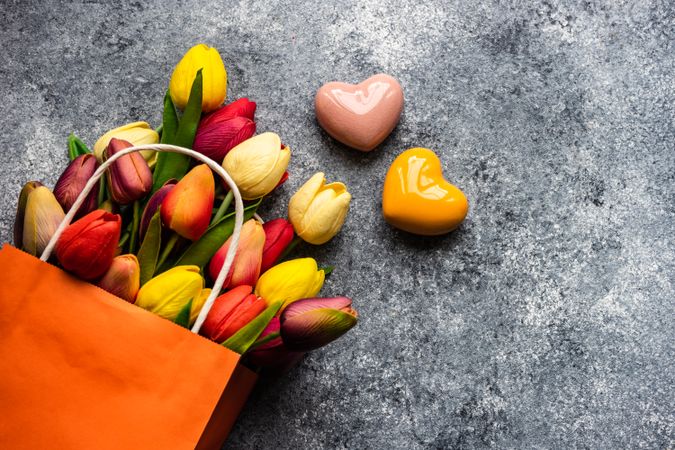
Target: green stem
[
  {"x": 123, "y": 239},
  {"x": 167, "y": 250},
  {"x": 223, "y": 207},
  {"x": 264, "y": 340},
  {"x": 134, "y": 227},
  {"x": 101, "y": 191},
  {"x": 294, "y": 243}
]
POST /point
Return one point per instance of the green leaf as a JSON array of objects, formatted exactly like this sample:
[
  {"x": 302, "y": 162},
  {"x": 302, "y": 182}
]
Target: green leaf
[
  {"x": 327, "y": 270},
  {"x": 169, "y": 127},
  {"x": 176, "y": 165},
  {"x": 201, "y": 251},
  {"x": 183, "y": 317},
  {"x": 149, "y": 251},
  {"x": 243, "y": 339},
  {"x": 76, "y": 147}
]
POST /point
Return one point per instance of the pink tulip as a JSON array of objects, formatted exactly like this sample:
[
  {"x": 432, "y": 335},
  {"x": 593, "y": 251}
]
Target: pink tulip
[{"x": 246, "y": 266}]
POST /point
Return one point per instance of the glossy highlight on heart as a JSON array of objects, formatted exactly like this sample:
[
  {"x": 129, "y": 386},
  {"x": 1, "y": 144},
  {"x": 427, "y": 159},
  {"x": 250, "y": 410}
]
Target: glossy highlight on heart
[
  {"x": 417, "y": 199},
  {"x": 362, "y": 115}
]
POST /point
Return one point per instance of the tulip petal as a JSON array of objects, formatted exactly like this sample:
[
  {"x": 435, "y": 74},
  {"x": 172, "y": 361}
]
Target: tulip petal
[
  {"x": 309, "y": 304},
  {"x": 316, "y": 328}
]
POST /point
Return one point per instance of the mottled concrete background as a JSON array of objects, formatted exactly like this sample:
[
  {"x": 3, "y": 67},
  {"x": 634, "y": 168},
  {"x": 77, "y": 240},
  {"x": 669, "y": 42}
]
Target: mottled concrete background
[{"x": 545, "y": 321}]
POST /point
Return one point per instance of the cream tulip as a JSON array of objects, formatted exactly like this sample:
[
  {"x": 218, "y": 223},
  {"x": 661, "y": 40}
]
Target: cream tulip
[
  {"x": 257, "y": 164},
  {"x": 137, "y": 133},
  {"x": 318, "y": 210}
]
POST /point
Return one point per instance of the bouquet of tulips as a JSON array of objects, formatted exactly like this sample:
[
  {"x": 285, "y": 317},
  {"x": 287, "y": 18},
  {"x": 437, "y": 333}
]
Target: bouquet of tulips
[{"x": 156, "y": 231}]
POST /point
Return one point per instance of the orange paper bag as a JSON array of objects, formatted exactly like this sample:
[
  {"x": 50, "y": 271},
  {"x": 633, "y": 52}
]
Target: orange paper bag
[{"x": 83, "y": 369}]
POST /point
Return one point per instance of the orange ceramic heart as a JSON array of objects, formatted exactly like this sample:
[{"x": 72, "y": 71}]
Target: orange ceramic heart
[
  {"x": 416, "y": 198},
  {"x": 360, "y": 116}
]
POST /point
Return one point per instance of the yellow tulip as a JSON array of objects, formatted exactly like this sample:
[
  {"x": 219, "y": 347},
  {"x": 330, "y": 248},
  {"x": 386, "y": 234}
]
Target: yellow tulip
[
  {"x": 167, "y": 293},
  {"x": 290, "y": 281},
  {"x": 257, "y": 164},
  {"x": 137, "y": 133},
  {"x": 201, "y": 56},
  {"x": 197, "y": 304},
  {"x": 318, "y": 210}
]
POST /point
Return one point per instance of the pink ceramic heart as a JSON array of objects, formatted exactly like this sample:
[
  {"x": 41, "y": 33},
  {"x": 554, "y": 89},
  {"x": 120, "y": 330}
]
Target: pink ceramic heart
[{"x": 362, "y": 115}]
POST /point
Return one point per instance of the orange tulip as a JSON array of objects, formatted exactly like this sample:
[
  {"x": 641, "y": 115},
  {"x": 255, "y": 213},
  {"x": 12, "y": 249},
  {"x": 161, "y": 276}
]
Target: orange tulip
[
  {"x": 123, "y": 278},
  {"x": 187, "y": 207}
]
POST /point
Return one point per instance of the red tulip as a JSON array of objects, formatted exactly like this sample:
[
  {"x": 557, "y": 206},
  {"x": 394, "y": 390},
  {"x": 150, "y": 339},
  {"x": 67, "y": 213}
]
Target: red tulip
[
  {"x": 187, "y": 207},
  {"x": 72, "y": 181},
  {"x": 222, "y": 130},
  {"x": 129, "y": 178},
  {"x": 278, "y": 236},
  {"x": 151, "y": 208},
  {"x": 87, "y": 247},
  {"x": 246, "y": 265},
  {"x": 273, "y": 354},
  {"x": 231, "y": 311}
]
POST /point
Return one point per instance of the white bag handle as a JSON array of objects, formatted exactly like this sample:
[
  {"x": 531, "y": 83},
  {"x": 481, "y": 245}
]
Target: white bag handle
[{"x": 217, "y": 168}]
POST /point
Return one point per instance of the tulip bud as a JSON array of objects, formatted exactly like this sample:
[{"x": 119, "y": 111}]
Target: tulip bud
[
  {"x": 246, "y": 265},
  {"x": 87, "y": 247},
  {"x": 123, "y": 278},
  {"x": 187, "y": 208},
  {"x": 208, "y": 59},
  {"x": 318, "y": 210},
  {"x": 278, "y": 236},
  {"x": 72, "y": 182},
  {"x": 38, "y": 216},
  {"x": 137, "y": 133},
  {"x": 290, "y": 281},
  {"x": 223, "y": 129},
  {"x": 230, "y": 312},
  {"x": 151, "y": 208},
  {"x": 129, "y": 178},
  {"x": 167, "y": 293},
  {"x": 273, "y": 354},
  {"x": 257, "y": 165},
  {"x": 314, "y": 322}
]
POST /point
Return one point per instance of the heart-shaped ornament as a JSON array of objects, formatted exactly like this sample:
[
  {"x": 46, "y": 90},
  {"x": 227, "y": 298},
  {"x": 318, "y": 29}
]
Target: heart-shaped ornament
[
  {"x": 362, "y": 115},
  {"x": 416, "y": 198}
]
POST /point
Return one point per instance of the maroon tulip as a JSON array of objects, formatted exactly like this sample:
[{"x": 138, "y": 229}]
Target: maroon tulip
[
  {"x": 72, "y": 182},
  {"x": 278, "y": 236},
  {"x": 225, "y": 128},
  {"x": 273, "y": 354},
  {"x": 87, "y": 247},
  {"x": 129, "y": 178},
  {"x": 314, "y": 322},
  {"x": 152, "y": 206}
]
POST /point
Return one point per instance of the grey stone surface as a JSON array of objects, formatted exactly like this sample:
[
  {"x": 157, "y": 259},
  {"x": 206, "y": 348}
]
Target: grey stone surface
[{"x": 545, "y": 321}]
